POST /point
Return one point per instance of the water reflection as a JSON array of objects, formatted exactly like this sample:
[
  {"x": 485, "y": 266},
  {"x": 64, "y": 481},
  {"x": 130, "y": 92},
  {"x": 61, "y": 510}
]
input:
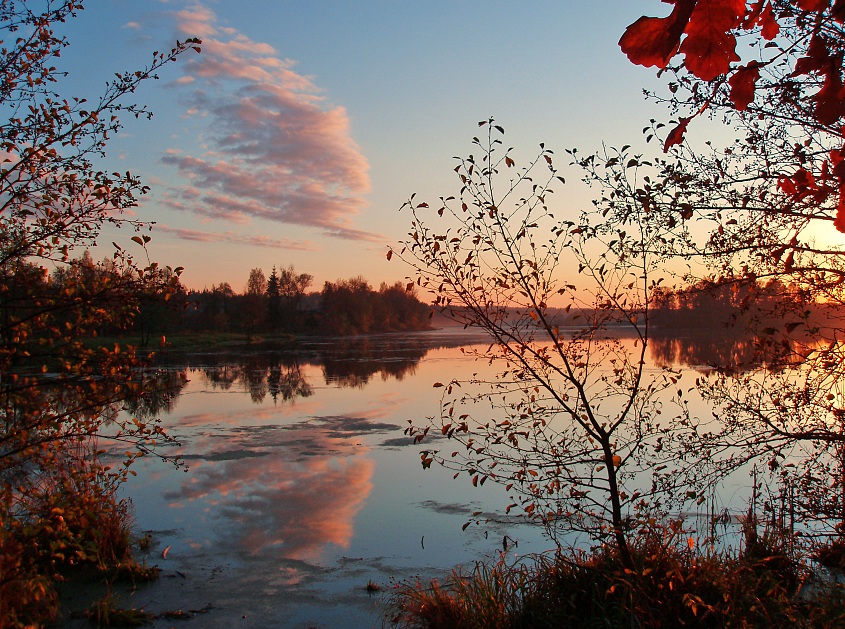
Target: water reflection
[
  {"x": 289, "y": 491},
  {"x": 296, "y": 489},
  {"x": 725, "y": 349},
  {"x": 352, "y": 364},
  {"x": 260, "y": 375},
  {"x": 345, "y": 362},
  {"x": 159, "y": 390}
]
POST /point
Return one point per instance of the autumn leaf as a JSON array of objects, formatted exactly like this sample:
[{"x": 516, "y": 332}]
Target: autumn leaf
[
  {"x": 813, "y": 5},
  {"x": 830, "y": 99},
  {"x": 709, "y": 47},
  {"x": 770, "y": 26},
  {"x": 789, "y": 263},
  {"x": 817, "y": 59},
  {"x": 761, "y": 14},
  {"x": 389, "y": 254},
  {"x": 786, "y": 184},
  {"x": 676, "y": 136},
  {"x": 742, "y": 83},
  {"x": 839, "y": 222},
  {"x": 653, "y": 41}
]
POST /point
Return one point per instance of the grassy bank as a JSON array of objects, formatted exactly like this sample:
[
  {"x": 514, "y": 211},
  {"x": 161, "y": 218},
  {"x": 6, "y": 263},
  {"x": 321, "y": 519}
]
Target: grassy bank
[
  {"x": 670, "y": 585},
  {"x": 196, "y": 341}
]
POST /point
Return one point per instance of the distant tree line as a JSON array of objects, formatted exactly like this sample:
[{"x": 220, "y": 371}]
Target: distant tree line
[
  {"x": 280, "y": 303},
  {"x": 740, "y": 305}
]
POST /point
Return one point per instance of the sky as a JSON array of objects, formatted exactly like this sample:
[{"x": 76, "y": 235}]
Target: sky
[{"x": 303, "y": 126}]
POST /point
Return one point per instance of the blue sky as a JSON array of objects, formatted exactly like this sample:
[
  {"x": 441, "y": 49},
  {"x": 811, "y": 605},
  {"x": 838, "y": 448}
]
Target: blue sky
[{"x": 303, "y": 126}]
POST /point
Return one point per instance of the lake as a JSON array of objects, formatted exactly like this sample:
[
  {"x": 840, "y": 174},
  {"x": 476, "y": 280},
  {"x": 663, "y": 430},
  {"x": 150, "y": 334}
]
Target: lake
[{"x": 301, "y": 488}]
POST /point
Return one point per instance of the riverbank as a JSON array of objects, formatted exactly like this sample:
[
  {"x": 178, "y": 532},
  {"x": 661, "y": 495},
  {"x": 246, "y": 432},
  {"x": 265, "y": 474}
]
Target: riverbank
[
  {"x": 195, "y": 341},
  {"x": 670, "y": 583}
]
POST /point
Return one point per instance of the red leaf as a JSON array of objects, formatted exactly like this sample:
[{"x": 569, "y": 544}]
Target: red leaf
[
  {"x": 817, "y": 58},
  {"x": 676, "y": 136},
  {"x": 752, "y": 15},
  {"x": 813, "y": 5},
  {"x": 710, "y": 45},
  {"x": 839, "y": 223},
  {"x": 837, "y": 158},
  {"x": 761, "y": 14},
  {"x": 789, "y": 263},
  {"x": 653, "y": 41},
  {"x": 389, "y": 254},
  {"x": 770, "y": 26},
  {"x": 742, "y": 84},
  {"x": 838, "y": 11},
  {"x": 830, "y": 99},
  {"x": 785, "y": 184}
]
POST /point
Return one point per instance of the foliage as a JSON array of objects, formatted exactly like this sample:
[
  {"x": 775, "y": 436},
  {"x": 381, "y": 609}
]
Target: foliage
[
  {"x": 764, "y": 198},
  {"x": 282, "y": 304},
  {"x": 292, "y": 287},
  {"x": 793, "y": 68},
  {"x": 59, "y": 399},
  {"x": 254, "y": 309},
  {"x": 353, "y": 307}
]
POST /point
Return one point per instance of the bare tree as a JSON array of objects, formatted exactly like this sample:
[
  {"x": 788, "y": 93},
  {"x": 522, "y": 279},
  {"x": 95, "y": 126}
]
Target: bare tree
[{"x": 570, "y": 422}]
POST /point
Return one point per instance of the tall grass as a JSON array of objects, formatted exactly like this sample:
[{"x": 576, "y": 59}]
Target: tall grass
[{"x": 672, "y": 584}]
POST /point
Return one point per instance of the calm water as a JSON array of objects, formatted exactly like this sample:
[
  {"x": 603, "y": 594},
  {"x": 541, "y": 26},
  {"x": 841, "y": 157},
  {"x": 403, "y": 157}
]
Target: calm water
[{"x": 301, "y": 487}]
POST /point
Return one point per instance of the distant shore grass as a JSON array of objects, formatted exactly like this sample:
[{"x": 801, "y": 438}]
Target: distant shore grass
[{"x": 195, "y": 341}]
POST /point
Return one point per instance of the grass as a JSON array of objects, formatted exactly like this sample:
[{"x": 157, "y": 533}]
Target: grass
[
  {"x": 105, "y": 614},
  {"x": 194, "y": 341},
  {"x": 670, "y": 584}
]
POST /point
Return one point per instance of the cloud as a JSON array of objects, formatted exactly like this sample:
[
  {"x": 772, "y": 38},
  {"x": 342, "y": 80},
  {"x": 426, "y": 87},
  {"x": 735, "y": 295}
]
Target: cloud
[
  {"x": 276, "y": 150},
  {"x": 235, "y": 238}
]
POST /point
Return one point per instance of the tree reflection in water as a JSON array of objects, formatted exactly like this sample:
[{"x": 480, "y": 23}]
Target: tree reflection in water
[
  {"x": 159, "y": 391},
  {"x": 345, "y": 362},
  {"x": 727, "y": 350}
]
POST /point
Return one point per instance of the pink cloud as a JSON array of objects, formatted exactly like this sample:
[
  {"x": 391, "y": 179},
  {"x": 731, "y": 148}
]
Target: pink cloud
[
  {"x": 276, "y": 150},
  {"x": 234, "y": 238}
]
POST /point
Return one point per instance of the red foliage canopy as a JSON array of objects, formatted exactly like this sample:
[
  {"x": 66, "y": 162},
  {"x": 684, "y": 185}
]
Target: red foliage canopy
[{"x": 705, "y": 32}]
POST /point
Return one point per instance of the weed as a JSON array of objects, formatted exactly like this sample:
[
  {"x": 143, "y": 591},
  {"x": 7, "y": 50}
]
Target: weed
[
  {"x": 671, "y": 584},
  {"x": 104, "y": 613}
]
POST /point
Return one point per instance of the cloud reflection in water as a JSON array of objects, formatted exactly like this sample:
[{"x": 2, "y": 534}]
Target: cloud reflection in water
[{"x": 290, "y": 491}]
